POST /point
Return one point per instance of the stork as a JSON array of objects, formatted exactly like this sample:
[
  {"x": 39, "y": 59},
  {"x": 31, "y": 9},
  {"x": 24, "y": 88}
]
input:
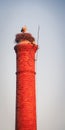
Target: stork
[{"x": 24, "y": 29}]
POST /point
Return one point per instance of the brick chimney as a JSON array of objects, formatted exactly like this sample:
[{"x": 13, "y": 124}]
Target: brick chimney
[{"x": 25, "y": 82}]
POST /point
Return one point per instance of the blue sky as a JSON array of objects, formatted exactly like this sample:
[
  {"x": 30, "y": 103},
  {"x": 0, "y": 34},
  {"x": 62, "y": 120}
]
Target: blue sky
[{"x": 50, "y": 88}]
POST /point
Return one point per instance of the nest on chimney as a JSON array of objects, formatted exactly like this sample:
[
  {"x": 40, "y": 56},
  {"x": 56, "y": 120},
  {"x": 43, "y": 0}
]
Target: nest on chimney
[{"x": 24, "y": 36}]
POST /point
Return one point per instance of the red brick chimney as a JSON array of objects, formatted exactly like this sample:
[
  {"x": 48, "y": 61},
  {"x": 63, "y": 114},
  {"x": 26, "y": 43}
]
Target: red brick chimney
[{"x": 25, "y": 82}]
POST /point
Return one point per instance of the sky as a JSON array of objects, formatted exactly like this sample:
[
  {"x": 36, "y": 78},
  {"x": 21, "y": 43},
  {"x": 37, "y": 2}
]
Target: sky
[{"x": 50, "y": 82}]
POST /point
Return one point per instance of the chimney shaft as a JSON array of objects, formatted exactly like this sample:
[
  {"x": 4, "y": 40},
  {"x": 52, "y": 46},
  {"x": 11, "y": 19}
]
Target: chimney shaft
[{"x": 25, "y": 86}]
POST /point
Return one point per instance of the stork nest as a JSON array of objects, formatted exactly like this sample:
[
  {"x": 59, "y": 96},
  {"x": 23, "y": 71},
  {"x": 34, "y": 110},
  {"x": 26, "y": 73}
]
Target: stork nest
[{"x": 24, "y": 36}]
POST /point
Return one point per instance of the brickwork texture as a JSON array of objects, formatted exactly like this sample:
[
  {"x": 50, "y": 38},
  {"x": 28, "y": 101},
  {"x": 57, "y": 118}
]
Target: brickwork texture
[{"x": 25, "y": 87}]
